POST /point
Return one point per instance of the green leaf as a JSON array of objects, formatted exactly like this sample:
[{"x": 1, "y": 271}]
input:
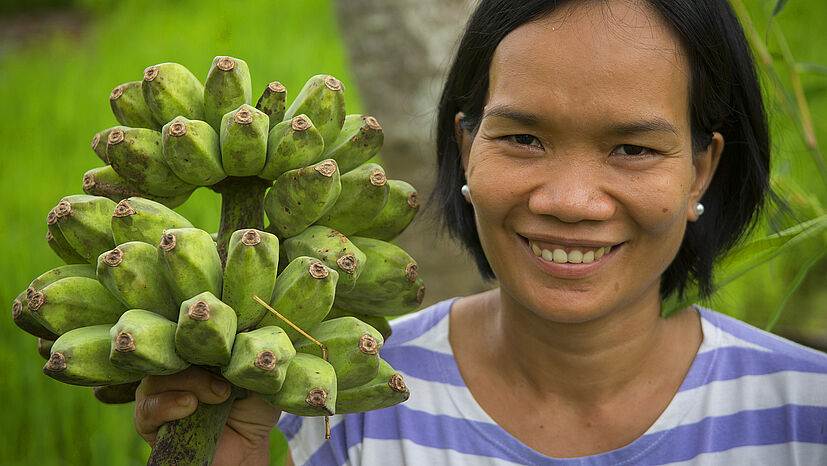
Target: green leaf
[
  {"x": 811, "y": 67},
  {"x": 799, "y": 279},
  {"x": 744, "y": 258},
  {"x": 779, "y": 5}
]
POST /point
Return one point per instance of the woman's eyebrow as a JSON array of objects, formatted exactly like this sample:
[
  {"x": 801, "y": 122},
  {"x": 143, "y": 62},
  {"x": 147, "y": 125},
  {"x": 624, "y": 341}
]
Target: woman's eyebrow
[{"x": 510, "y": 113}]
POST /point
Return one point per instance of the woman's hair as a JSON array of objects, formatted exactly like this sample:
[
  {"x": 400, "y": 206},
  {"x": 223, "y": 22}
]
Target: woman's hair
[{"x": 724, "y": 96}]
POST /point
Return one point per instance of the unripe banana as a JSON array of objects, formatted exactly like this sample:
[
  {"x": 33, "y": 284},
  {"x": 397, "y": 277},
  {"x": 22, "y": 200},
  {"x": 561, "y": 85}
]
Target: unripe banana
[
  {"x": 59, "y": 273},
  {"x": 137, "y": 155},
  {"x": 44, "y": 347},
  {"x": 190, "y": 262},
  {"x": 399, "y": 211},
  {"x": 171, "y": 90},
  {"x": 106, "y": 182},
  {"x": 244, "y": 141},
  {"x": 117, "y": 393},
  {"x": 252, "y": 263},
  {"x": 81, "y": 357},
  {"x": 260, "y": 360},
  {"x": 63, "y": 250},
  {"x": 142, "y": 341},
  {"x": 138, "y": 219},
  {"x": 309, "y": 388},
  {"x": 364, "y": 194},
  {"x": 299, "y": 197},
  {"x": 352, "y": 347},
  {"x": 26, "y": 321},
  {"x": 74, "y": 302},
  {"x": 330, "y": 247},
  {"x": 360, "y": 139},
  {"x": 322, "y": 99},
  {"x": 130, "y": 109},
  {"x": 206, "y": 330},
  {"x": 83, "y": 221},
  {"x": 99, "y": 143},
  {"x": 132, "y": 274},
  {"x": 294, "y": 143},
  {"x": 385, "y": 390},
  {"x": 192, "y": 151},
  {"x": 304, "y": 293},
  {"x": 227, "y": 87},
  {"x": 271, "y": 102},
  {"x": 380, "y": 323},
  {"x": 389, "y": 285}
]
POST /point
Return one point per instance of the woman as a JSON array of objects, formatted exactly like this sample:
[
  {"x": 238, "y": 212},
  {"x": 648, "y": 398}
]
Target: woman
[{"x": 594, "y": 157}]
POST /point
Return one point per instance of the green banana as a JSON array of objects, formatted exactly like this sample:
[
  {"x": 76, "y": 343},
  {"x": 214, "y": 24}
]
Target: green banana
[
  {"x": 299, "y": 197},
  {"x": 360, "y": 139},
  {"x": 74, "y": 302},
  {"x": 227, "y": 87},
  {"x": 352, "y": 349},
  {"x": 130, "y": 109},
  {"x": 26, "y": 321},
  {"x": 83, "y": 221},
  {"x": 385, "y": 390},
  {"x": 106, "y": 182},
  {"x": 206, "y": 330},
  {"x": 322, "y": 99},
  {"x": 58, "y": 243},
  {"x": 380, "y": 323},
  {"x": 142, "y": 341},
  {"x": 260, "y": 360},
  {"x": 190, "y": 263},
  {"x": 59, "y": 273},
  {"x": 138, "y": 219},
  {"x": 99, "y": 143},
  {"x": 117, "y": 393},
  {"x": 271, "y": 102},
  {"x": 364, "y": 194},
  {"x": 44, "y": 347},
  {"x": 389, "y": 285},
  {"x": 294, "y": 143},
  {"x": 171, "y": 90},
  {"x": 132, "y": 274},
  {"x": 304, "y": 293},
  {"x": 332, "y": 248},
  {"x": 81, "y": 357},
  {"x": 244, "y": 141},
  {"x": 252, "y": 263},
  {"x": 192, "y": 151},
  {"x": 309, "y": 388},
  {"x": 399, "y": 211},
  {"x": 137, "y": 155}
]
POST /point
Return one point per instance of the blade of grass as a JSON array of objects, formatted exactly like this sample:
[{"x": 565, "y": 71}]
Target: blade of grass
[{"x": 799, "y": 279}]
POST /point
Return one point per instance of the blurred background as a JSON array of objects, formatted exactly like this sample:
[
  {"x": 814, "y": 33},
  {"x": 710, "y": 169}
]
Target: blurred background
[{"x": 59, "y": 59}]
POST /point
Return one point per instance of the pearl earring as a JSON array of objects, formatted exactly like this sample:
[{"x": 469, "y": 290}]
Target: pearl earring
[
  {"x": 466, "y": 192},
  {"x": 699, "y": 209}
]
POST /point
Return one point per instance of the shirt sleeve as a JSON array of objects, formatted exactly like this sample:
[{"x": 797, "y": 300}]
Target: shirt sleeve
[{"x": 305, "y": 437}]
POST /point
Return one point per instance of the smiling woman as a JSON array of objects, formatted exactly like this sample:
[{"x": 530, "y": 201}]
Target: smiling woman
[{"x": 578, "y": 143}]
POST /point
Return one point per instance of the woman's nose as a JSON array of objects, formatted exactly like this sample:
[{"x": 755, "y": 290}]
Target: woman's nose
[{"x": 572, "y": 192}]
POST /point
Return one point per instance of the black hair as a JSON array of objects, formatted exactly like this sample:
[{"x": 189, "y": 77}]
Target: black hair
[{"x": 724, "y": 96}]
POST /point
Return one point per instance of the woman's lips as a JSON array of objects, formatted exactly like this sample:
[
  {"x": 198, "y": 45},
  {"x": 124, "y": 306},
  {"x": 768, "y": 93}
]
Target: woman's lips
[{"x": 570, "y": 261}]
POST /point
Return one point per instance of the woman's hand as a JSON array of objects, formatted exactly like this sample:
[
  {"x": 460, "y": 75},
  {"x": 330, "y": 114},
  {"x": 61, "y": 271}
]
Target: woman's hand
[{"x": 246, "y": 437}]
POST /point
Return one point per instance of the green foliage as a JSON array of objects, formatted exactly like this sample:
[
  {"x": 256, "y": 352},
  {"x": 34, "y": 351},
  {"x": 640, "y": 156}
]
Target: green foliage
[{"x": 54, "y": 90}]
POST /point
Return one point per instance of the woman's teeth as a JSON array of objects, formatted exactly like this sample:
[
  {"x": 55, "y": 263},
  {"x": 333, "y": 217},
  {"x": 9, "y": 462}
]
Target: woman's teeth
[{"x": 574, "y": 256}]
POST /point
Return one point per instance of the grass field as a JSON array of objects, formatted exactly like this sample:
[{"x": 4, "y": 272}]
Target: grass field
[{"x": 54, "y": 89}]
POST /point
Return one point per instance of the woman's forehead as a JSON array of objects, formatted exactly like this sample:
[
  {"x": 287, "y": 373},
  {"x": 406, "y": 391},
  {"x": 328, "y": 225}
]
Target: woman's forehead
[{"x": 615, "y": 54}]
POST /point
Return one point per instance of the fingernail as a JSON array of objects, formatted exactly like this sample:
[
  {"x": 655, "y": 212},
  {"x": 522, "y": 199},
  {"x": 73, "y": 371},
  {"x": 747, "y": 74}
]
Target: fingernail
[
  {"x": 219, "y": 387},
  {"x": 184, "y": 400}
]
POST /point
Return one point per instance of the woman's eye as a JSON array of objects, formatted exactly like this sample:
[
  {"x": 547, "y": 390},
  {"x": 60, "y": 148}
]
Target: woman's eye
[
  {"x": 632, "y": 150},
  {"x": 525, "y": 140}
]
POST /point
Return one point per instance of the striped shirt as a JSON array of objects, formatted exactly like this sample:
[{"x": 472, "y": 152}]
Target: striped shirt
[{"x": 749, "y": 398}]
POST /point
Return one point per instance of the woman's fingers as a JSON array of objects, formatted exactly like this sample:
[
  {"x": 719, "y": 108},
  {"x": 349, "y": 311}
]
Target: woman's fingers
[
  {"x": 209, "y": 388},
  {"x": 153, "y": 411}
]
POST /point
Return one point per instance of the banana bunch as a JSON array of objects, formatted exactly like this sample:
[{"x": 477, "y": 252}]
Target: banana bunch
[{"x": 145, "y": 292}]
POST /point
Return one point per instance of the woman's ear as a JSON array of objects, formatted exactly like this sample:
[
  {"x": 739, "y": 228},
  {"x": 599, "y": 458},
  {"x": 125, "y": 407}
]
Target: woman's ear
[
  {"x": 705, "y": 162},
  {"x": 464, "y": 139}
]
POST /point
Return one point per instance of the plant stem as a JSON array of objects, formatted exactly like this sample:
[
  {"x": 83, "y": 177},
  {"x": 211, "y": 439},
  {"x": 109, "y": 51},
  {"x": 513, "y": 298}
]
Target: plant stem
[{"x": 242, "y": 206}]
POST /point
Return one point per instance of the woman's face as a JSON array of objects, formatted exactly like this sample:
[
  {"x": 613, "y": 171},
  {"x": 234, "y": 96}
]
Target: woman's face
[{"x": 582, "y": 174}]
